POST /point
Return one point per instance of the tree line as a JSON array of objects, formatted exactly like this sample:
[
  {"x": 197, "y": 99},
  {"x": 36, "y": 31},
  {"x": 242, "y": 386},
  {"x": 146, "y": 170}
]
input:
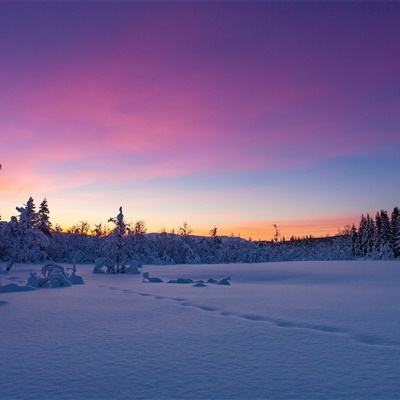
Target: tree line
[
  {"x": 377, "y": 237},
  {"x": 30, "y": 237}
]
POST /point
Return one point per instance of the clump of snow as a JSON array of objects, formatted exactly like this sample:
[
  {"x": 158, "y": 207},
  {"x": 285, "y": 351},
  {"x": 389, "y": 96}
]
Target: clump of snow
[
  {"x": 76, "y": 279},
  {"x": 224, "y": 281},
  {"x": 149, "y": 279},
  {"x": 57, "y": 279},
  {"x": 199, "y": 284},
  {"x": 35, "y": 281},
  {"x": 134, "y": 267},
  {"x": 181, "y": 281},
  {"x": 13, "y": 287}
]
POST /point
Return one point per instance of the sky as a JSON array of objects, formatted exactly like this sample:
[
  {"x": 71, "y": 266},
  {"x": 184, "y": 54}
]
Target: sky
[{"x": 235, "y": 114}]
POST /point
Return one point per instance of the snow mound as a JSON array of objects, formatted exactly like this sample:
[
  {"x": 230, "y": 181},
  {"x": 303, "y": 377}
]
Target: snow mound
[
  {"x": 76, "y": 279},
  {"x": 224, "y": 281},
  {"x": 147, "y": 278},
  {"x": 200, "y": 284},
  {"x": 181, "y": 281},
  {"x": 103, "y": 265},
  {"x": 13, "y": 287},
  {"x": 134, "y": 268}
]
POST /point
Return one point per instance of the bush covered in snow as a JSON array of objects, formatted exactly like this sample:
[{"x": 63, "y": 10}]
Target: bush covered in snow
[{"x": 54, "y": 276}]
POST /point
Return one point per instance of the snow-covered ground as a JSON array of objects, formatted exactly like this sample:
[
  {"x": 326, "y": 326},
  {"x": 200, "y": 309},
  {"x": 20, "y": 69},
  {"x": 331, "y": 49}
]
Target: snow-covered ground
[{"x": 312, "y": 330}]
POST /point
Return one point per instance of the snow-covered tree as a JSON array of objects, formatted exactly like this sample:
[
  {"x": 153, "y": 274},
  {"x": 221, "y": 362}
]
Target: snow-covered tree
[
  {"x": 27, "y": 214},
  {"x": 117, "y": 243},
  {"x": 43, "y": 218},
  {"x": 386, "y": 250},
  {"x": 354, "y": 240},
  {"x": 395, "y": 228}
]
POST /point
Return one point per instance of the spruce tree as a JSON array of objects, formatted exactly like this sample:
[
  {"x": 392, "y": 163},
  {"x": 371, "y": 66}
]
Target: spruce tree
[
  {"x": 378, "y": 232},
  {"x": 120, "y": 230},
  {"x": 43, "y": 218},
  {"x": 362, "y": 242},
  {"x": 354, "y": 240},
  {"x": 395, "y": 228},
  {"x": 370, "y": 235},
  {"x": 28, "y": 216},
  {"x": 386, "y": 238}
]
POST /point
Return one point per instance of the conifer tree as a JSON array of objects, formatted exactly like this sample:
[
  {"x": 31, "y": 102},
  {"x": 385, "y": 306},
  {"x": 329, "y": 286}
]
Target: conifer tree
[
  {"x": 43, "y": 218},
  {"x": 120, "y": 230},
  {"x": 28, "y": 216},
  {"x": 362, "y": 244},
  {"x": 370, "y": 235},
  {"x": 378, "y": 232},
  {"x": 354, "y": 240},
  {"x": 395, "y": 228},
  {"x": 386, "y": 239}
]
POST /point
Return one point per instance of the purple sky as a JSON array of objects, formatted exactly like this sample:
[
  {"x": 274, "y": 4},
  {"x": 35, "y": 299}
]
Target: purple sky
[{"x": 234, "y": 114}]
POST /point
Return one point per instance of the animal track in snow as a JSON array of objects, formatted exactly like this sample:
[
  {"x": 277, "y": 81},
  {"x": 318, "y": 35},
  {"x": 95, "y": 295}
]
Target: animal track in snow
[{"x": 362, "y": 339}]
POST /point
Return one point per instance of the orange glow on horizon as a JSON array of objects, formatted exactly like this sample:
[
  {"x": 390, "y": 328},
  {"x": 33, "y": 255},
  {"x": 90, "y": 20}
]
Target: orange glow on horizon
[{"x": 264, "y": 230}]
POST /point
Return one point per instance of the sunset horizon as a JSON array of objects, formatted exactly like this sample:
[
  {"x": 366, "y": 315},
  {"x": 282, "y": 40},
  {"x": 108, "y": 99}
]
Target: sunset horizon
[{"x": 228, "y": 114}]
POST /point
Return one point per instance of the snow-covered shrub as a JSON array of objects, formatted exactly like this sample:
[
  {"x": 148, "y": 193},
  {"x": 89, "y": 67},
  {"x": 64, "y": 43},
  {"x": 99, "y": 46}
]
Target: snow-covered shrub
[
  {"x": 103, "y": 265},
  {"x": 54, "y": 276},
  {"x": 35, "y": 281},
  {"x": 134, "y": 267}
]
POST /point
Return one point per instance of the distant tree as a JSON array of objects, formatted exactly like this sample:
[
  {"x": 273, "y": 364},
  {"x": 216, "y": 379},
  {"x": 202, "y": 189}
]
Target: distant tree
[
  {"x": 185, "y": 230},
  {"x": 81, "y": 228},
  {"x": 139, "y": 230},
  {"x": 58, "y": 228},
  {"x": 214, "y": 232},
  {"x": 276, "y": 234},
  {"x": 99, "y": 230},
  {"x": 215, "y": 239}
]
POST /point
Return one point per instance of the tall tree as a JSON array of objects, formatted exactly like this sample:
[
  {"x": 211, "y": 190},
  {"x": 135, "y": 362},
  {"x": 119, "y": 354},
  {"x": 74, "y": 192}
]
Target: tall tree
[
  {"x": 27, "y": 214},
  {"x": 354, "y": 239},
  {"x": 120, "y": 230},
  {"x": 386, "y": 239},
  {"x": 362, "y": 245},
  {"x": 378, "y": 232},
  {"x": 43, "y": 218},
  {"x": 395, "y": 227}
]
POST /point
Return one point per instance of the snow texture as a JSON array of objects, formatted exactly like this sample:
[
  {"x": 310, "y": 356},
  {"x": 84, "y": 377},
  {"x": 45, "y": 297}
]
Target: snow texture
[{"x": 304, "y": 330}]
